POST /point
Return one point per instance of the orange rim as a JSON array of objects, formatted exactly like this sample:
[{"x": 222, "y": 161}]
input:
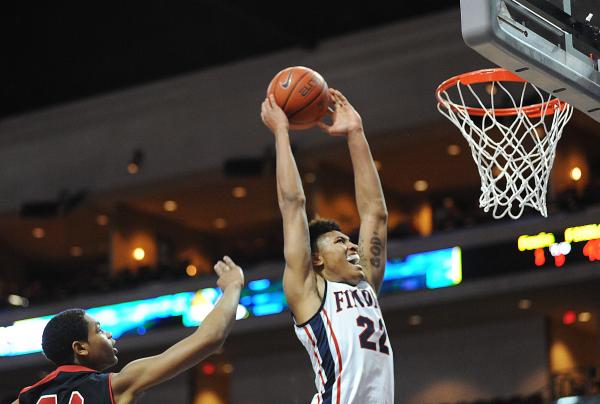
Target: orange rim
[{"x": 491, "y": 75}]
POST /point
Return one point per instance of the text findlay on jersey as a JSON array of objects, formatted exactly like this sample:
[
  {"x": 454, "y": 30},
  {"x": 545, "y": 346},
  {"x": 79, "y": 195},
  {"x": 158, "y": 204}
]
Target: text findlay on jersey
[{"x": 350, "y": 299}]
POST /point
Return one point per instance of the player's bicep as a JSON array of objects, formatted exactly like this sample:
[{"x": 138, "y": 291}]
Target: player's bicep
[
  {"x": 144, "y": 373},
  {"x": 296, "y": 245},
  {"x": 298, "y": 278},
  {"x": 131, "y": 374},
  {"x": 373, "y": 249}
]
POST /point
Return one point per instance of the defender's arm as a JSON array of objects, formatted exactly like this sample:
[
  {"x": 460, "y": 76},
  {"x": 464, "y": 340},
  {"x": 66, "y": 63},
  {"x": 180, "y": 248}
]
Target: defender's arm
[{"x": 144, "y": 373}]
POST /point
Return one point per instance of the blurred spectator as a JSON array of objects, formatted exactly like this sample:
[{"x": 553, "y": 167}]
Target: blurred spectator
[
  {"x": 41, "y": 285},
  {"x": 591, "y": 195},
  {"x": 447, "y": 216},
  {"x": 569, "y": 200}
]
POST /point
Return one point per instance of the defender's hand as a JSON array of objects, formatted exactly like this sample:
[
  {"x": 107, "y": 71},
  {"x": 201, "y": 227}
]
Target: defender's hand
[
  {"x": 229, "y": 273},
  {"x": 345, "y": 118},
  {"x": 273, "y": 117}
]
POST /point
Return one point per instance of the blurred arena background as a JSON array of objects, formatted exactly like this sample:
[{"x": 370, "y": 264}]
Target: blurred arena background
[{"x": 132, "y": 156}]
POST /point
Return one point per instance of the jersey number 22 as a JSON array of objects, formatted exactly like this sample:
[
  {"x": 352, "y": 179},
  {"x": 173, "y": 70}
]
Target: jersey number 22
[{"x": 369, "y": 330}]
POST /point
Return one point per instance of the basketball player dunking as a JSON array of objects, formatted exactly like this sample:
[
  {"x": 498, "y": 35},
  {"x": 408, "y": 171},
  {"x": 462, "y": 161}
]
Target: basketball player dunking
[
  {"x": 74, "y": 342},
  {"x": 330, "y": 283}
]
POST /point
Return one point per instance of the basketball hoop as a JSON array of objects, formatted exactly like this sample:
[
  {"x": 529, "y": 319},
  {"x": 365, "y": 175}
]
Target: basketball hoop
[{"x": 513, "y": 147}]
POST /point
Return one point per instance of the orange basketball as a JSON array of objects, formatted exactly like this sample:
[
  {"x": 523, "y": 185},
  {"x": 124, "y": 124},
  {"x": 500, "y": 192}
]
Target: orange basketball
[{"x": 303, "y": 95}]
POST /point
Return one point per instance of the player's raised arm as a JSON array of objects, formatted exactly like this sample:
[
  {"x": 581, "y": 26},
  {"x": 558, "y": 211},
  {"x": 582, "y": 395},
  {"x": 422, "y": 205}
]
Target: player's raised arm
[
  {"x": 298, "y": 279},
  {"x": 369, "y": 195},
  {"x": 144, "y": 373}
]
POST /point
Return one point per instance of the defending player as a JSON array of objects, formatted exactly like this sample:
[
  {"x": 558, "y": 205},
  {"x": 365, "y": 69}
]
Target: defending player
[
  {"x": 74, "y": 342},
  {"x": 330, "y": 283}
]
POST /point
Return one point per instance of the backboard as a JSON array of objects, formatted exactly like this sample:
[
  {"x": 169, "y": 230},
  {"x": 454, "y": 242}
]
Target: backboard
[{"x": 553, "y": 44}]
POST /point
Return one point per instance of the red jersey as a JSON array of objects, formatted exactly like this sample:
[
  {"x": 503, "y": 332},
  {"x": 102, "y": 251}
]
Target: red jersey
[{"x": 70, "y": 385}]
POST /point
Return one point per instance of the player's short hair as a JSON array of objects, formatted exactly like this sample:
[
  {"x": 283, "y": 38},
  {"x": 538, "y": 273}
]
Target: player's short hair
[
  {"x": 318, "y": 227},
  {"x": 59, "y": 334}
]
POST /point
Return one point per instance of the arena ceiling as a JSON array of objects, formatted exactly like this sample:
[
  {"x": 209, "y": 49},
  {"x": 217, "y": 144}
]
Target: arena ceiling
[{"x": 63, "y": 51}]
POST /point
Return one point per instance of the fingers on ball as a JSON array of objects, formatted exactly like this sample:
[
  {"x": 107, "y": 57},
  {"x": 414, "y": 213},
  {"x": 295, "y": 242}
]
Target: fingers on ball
[{"x": 324, "y": 126}]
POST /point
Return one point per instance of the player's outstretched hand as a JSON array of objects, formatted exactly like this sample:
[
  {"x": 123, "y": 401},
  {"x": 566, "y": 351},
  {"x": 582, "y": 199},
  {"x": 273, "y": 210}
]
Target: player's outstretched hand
[
  {"x": 229, "y": 273},
  {"x": 345, "y": 118},
  {"x": 273, "y": 117}
]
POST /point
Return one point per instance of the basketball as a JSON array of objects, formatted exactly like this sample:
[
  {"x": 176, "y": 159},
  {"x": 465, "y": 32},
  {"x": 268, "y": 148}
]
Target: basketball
[{"x": 303, "y": 95}]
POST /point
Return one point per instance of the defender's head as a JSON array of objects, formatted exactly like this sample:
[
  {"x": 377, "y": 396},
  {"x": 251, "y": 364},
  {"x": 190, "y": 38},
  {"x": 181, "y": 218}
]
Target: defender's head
[
  {"x": 74, "y": 338},
  {"x": 333, "y": 254}
]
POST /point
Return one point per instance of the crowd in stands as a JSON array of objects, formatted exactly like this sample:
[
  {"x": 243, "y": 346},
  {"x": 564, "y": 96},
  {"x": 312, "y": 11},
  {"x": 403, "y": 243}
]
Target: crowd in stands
[
  {"x": 447, "y": 214},
  {"x": 531, "y": 399}
]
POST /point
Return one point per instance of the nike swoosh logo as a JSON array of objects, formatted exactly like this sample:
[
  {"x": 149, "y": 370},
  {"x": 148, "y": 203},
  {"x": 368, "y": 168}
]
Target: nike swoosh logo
[{"x": 287, "y": 82}]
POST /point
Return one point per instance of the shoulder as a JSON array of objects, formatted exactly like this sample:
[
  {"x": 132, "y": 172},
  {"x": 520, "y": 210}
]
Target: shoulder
[
  {"x": 305, "y": 314},
  {"x": 95, "y": 386},
  {"x": 367, "y": 284},
  {"x": 88, "y": 383}
]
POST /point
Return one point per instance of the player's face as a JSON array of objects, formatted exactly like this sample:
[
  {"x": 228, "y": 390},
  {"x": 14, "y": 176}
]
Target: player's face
[
  {"x": 102, "y": 353},
  {"x": 340, "y": 259}
]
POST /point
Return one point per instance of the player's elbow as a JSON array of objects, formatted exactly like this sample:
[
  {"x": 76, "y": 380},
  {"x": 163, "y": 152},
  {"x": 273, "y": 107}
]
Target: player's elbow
[
  {"x": 291, "y": 201},
  {"x": 214, "y": 341},
  {"x": 377, "y": 211},
  {"x": 203, "y": 343},
  {"x": 212, "y": 348},
  {"x": 381, "y": 213}
]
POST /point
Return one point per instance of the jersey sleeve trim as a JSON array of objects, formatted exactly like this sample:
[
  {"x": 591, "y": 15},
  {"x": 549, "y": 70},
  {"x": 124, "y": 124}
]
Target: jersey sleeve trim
[
  {"x": 318, "y": 311},
  {"x": 46, "y": 379},
  {"x": 339, "y": 356},
  {"x": 110, "y": 390},
  {"x": 55, "y": 372},
  {"x": 74, "y": 368}
]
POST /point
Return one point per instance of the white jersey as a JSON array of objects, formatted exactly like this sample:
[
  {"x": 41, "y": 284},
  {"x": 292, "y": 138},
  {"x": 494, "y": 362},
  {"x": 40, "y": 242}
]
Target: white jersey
[{"x": 348, "y": 347}]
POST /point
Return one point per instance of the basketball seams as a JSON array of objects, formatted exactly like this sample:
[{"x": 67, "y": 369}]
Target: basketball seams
[
  {"x": 322, "y": 84},
  {"x": 305, "y": 107},
  {"x": 291, "y": 90},
  {"x": 303, "y": 104}
]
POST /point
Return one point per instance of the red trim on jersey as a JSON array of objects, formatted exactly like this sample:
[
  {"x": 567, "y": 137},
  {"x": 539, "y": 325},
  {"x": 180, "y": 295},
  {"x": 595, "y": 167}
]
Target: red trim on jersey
[
  {"x": 110, "y": 392},
  {"x": 315, "y": 350},
  {"x": 339, "y": 355},
  {"x": 74, "y": 368},
  {"x": 55, "y": 372}
]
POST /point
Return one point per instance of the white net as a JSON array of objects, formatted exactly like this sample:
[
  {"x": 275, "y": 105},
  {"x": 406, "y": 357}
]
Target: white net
[{"x": 514, "y": 153}]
